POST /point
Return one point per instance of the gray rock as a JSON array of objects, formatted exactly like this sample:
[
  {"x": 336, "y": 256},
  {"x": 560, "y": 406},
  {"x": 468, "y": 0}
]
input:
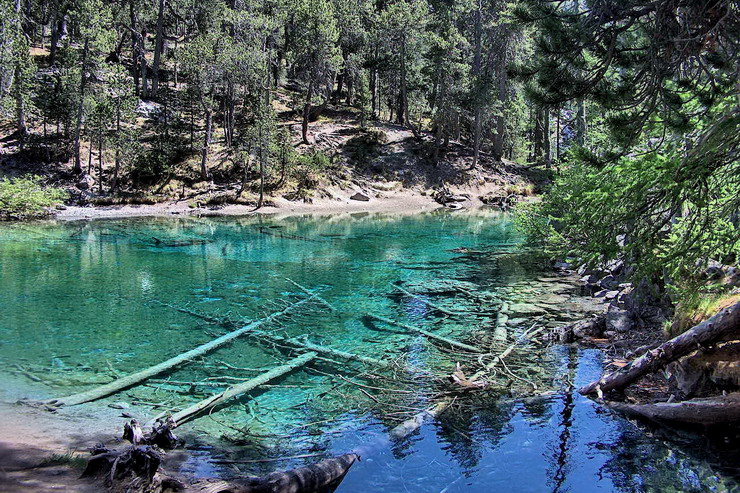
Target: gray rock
[
  {"x": 560, "y": 265},
  {"x": 610, "y": 295},
  {"x": 601, "y": 294},
  {"x": 618, "y": 320},
  {"x": 589, "y": 279},
  {"x": 608, "y": 282},
  {"x": 525, "y": 310},
  {"x": 119, "y": 405}
]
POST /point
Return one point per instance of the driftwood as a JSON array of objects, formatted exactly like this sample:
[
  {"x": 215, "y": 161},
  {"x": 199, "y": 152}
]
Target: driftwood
[
  {"x": 320, "y": 477},
  {"x": 426, "y": 302},
  {"x": 242, "y": 388},
  {"x": 726, "y": 322},
  {"x": 718, "y": 410},
  {"x": 161, "y": 434},
  {"x": 318, "y": 348},
  {"x": 426, "y": 333},
  {"x": 415, "y": 422}
]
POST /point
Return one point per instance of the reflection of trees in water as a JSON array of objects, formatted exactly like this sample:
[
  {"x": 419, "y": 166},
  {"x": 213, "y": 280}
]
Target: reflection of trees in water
[
  {"x": 684, "y": 462},
  {"x": 560, "y": 465}
]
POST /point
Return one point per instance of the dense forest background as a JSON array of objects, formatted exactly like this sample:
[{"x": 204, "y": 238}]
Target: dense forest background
[{"x": 633, "y": 105}]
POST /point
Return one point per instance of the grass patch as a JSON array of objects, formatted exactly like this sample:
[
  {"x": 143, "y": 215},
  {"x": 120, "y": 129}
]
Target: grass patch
[
  {"x": 694, "y": 309},
  {"x": 70, "y": 458}
]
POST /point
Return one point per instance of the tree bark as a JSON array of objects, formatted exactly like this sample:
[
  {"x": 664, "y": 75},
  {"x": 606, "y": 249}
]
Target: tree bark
[
  {"x": 307, "y": 112},
  {"x": 581, "y": 126},
  {"x": 204, "y": 175},
  {"x": 158, "y": 48},
  {"x": 722, "y": 324},
  {"x": 426, "y": 333},
  {"x": 80, "y": 109},
  {"x": 134, "y": 46},
  {"x": 710, "y": 411},
  {"x": 476, "y": 82}
]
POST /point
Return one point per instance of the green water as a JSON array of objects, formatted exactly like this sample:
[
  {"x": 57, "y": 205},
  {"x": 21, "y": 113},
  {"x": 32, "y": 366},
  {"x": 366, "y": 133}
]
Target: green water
[{"x": 83, "y": 302}]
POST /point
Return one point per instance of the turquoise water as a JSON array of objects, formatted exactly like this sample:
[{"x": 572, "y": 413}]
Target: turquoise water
[{"x": 84, "y": 302}]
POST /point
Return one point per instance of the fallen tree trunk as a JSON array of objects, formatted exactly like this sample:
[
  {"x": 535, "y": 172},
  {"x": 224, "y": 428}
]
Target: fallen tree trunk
[
  {"x": 320, "y": 477},
  {"x": 710, "y": 411},
  {"x": 426, "y": 333},
  {"x": 310, "y": 346},
  {"x": 135, "y": 378},
  {"x": 242, "y": 388},
  {"x": 427, "y": 302},
  {"x": 722, "y": 324}
]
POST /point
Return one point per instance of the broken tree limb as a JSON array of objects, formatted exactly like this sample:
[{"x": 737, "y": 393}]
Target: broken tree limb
[
  {"x": 718, "y": 410},
  {"x": 426, "y": 333},
  {"x": 715, "y": 328},
  {"x": 310, "y": 346},
  {"x": 427, "y": 302},
  {"x": 312, "y": 293},
  {"x": 135, "y": 378},
  {"x": 239, "y": 389}
]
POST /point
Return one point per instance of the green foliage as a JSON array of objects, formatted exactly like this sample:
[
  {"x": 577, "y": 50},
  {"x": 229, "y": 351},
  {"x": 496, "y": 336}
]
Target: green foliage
[{"x": 27, "y": 197}]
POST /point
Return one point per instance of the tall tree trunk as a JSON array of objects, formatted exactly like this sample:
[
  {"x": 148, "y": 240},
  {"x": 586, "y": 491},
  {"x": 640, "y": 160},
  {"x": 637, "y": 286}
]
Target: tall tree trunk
[
  {"x": 476, "y": 81},
  {"x": 204, "y": 175},
  {"x": 54, "y": 35},
  {"x": 498, "y": 140},
  {"x": 538, "y": 133},
  {"x": 134, "y": 46},
  {"x": 307, "y": 112},
  {"x": 117, "y": 168},
  {"x": 581, "y": 125},
  {"x": 158, "y": 49},
  {"x": 100, "y": 161},
  {"x": 546, "y": 144},
  {"x": 401, "y": 116},
  {"x": 80, "y": 108}
]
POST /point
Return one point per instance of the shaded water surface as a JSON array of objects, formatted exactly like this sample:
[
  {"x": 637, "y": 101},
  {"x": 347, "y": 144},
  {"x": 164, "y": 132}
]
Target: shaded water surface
[{"x": 84, "y": 302}]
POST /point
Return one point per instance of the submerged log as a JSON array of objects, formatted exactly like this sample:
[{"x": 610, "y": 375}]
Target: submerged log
[
  {"x": 427, "y": 302},
  {"x": 710, "y": 411},
  {"x": 726, "y": 322},
  {"x": 311, "y": 293},
  {"x": 242, "y": 388},
  {"x": 318, "y": 348},
  {"x": 135, "y": 378},
  {"x": 426, "y": 333}
]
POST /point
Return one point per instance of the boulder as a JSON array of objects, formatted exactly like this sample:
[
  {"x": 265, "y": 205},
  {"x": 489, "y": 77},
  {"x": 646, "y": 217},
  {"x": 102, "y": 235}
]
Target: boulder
[
  {"x": 618, "y": 320},
  {"x": 360, "y": 197}
]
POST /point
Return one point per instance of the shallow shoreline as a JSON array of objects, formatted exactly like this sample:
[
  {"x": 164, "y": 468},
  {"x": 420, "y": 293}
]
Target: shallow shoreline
[{"x": 404, "y": 201}]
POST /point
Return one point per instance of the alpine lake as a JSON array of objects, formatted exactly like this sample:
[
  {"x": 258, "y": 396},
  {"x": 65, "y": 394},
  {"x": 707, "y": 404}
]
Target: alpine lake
[{"x": 84, "y": 303}]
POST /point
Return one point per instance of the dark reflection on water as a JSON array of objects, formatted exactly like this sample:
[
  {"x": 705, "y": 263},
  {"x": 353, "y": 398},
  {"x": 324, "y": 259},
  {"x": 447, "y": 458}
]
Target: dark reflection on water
[{"x": 79, "y": 299}]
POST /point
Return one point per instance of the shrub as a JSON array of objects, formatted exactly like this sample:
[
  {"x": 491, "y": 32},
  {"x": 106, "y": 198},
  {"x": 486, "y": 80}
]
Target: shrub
[{"x": 26, "y": 198}]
